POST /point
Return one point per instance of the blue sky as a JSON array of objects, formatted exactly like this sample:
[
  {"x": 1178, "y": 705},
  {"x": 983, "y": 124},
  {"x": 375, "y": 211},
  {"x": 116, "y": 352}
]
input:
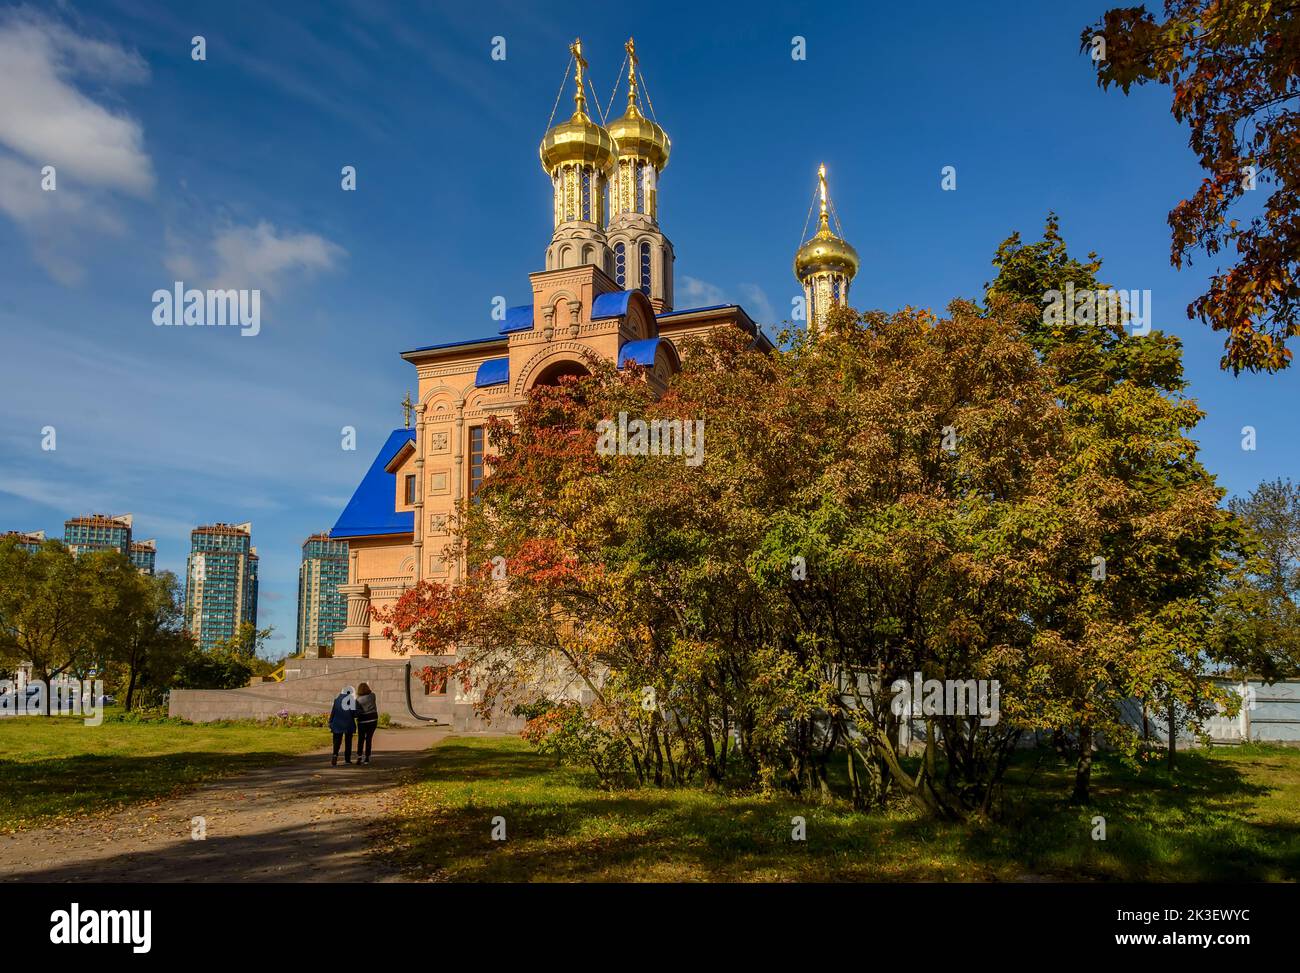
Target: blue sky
[{"x": 227, "y": 171}]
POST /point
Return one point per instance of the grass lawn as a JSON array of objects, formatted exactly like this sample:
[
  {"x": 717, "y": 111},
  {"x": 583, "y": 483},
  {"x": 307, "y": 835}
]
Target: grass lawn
[
  {"x": 1226, "y": 815},
  {"x": 56, "y": 767}
]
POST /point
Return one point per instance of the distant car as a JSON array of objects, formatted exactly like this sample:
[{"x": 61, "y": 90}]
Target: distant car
[{"x": 107, "y": 700}]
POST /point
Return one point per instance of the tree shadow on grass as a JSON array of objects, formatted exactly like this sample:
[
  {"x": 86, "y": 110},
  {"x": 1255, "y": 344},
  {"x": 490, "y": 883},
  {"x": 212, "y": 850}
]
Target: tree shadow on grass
[
  {"x": 42, "y": 791},
  {"x": 464, "y": 762},
  {"x": 291, "y": 819},
  {"x": 331, "y": 851},
  {"x": 1195, "y": 827}
]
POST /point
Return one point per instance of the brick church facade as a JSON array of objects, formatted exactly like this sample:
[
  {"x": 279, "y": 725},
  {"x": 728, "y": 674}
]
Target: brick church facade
[{"x": 606, "y": 289}]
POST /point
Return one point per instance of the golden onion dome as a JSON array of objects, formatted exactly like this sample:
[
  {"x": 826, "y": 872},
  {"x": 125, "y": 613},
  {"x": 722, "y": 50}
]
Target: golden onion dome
[
  {"x": 825, "y": 251},
  {"x": 579, "y": 141},
  {"x": 635, "y": 135}
]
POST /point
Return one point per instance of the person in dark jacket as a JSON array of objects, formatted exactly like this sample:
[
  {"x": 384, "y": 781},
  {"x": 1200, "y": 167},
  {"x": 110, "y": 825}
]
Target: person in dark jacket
[
  {"x": 367, "y": 721},
  {"x": 343, "y": 720}
]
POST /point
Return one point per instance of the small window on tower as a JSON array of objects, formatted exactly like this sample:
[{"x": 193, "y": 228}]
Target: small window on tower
[
  {"x": 645, "y": 268},
  {"x": 410, "y": 489},
  {"x": 620, "y": 264}
]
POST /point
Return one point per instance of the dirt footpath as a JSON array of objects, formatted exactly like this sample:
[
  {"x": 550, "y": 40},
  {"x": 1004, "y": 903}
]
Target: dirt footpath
[{"x": 297, "y": 821}]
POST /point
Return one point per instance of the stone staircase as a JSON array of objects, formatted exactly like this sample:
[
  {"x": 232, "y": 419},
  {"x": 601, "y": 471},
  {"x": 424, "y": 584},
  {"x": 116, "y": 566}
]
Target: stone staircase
[{"x": 310, "y": 686}]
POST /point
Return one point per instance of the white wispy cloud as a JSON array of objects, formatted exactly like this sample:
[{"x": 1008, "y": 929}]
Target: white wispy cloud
[
  {"x": 699, "y": 293},
  {"x": 260, "y": 256},
  {"x": 47, "y": 119},
  {"x": 693, "y": 292}
]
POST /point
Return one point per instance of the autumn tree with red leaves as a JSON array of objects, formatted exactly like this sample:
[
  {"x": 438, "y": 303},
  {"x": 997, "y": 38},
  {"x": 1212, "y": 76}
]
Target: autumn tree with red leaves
[{"x": 1234, "y": 67}]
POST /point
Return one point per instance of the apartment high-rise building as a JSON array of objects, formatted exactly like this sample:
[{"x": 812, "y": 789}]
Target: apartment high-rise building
[
  {"x": 144, "y": 554},
  {"x": 104, "y": 532},
  {"x": 322, "y": 609},
  {"x": 32, "y": 540},
  {"x": 98, "y": 532},
  {"x": 220, "y": 582}
]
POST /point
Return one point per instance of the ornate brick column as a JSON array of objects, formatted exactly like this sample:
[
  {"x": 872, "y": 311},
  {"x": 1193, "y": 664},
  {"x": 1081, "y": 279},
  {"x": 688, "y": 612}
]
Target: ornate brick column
[
  {"x": 354, "y": 640},
  {"x": 356, "y": 637}
]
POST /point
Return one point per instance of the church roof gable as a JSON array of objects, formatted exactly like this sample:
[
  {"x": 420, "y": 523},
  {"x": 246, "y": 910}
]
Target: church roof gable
[{"x": 371, "y": 509}]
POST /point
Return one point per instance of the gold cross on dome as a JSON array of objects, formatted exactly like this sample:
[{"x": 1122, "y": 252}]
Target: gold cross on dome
[
  {"x": 407, "y": 406},
  {"x": 630, "y": 47},
  {"x": 580, "y": 65}
]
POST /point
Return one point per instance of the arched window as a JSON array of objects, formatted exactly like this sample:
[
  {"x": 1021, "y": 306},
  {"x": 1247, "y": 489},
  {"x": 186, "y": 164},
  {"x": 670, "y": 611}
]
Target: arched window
[
  {"x": 586, "y": 194},
  {"x": 645, "y": 268},
  {"x": 620, "y": 264},
  {"x": 640, "y": 188}
]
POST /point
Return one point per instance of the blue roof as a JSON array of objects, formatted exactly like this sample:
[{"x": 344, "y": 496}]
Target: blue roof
[
  {"x": 640, "y": 352},
  {"x": 494, "y": 371},
  {"x": 611, "y": 305},
  {"x": 456, "y": 344},
  {"x": 371, "y": 509},
  {"x": 694, "y": 310},
  {"x": 518, "y": 319}
]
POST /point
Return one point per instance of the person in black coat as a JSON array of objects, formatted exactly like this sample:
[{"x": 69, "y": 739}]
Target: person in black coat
[
  {"x": 367, "y": 721},
  {"x": 343, "y": 721}
]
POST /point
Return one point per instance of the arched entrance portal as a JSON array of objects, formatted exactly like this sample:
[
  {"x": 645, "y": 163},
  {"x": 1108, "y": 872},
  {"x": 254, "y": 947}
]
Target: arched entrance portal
[{"x": 552, "y": 373}]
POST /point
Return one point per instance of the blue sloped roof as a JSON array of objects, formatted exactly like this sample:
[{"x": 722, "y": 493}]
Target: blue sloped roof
[
  {"x": 371, "y": 509},
  {"x": 611, "y": 305},
  {"x": 494, "y": 371},
  {"x": 518, "y": 319},
  {"x": 640, "y": 352},
  {"x": 457, "y": 344},
  {"x": 693, "y": 310}
]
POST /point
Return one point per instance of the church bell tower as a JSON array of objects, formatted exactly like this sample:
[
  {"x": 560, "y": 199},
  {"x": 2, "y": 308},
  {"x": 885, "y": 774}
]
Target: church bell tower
[
  {"x": 825, "y": 265},
  {"x": 578, "y": 156},
  {"x": 643, "y": 256}
]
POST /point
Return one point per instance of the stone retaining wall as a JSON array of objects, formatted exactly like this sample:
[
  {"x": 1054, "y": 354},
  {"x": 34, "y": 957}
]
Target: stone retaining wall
[{"x": 310, "y": 686}]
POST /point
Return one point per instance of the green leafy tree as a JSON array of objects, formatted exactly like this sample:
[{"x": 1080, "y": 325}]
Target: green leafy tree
[
  {"x": 146, "y": 631},
  {"x": 1260, "y": 602},
  {"x": 1145, "y": 512},
  {"x": 201, "y": 669},
  {"x": 901, "y": 494},
  {"x": 247, "y": 642},
  {"x": 49, "y": 609}
]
